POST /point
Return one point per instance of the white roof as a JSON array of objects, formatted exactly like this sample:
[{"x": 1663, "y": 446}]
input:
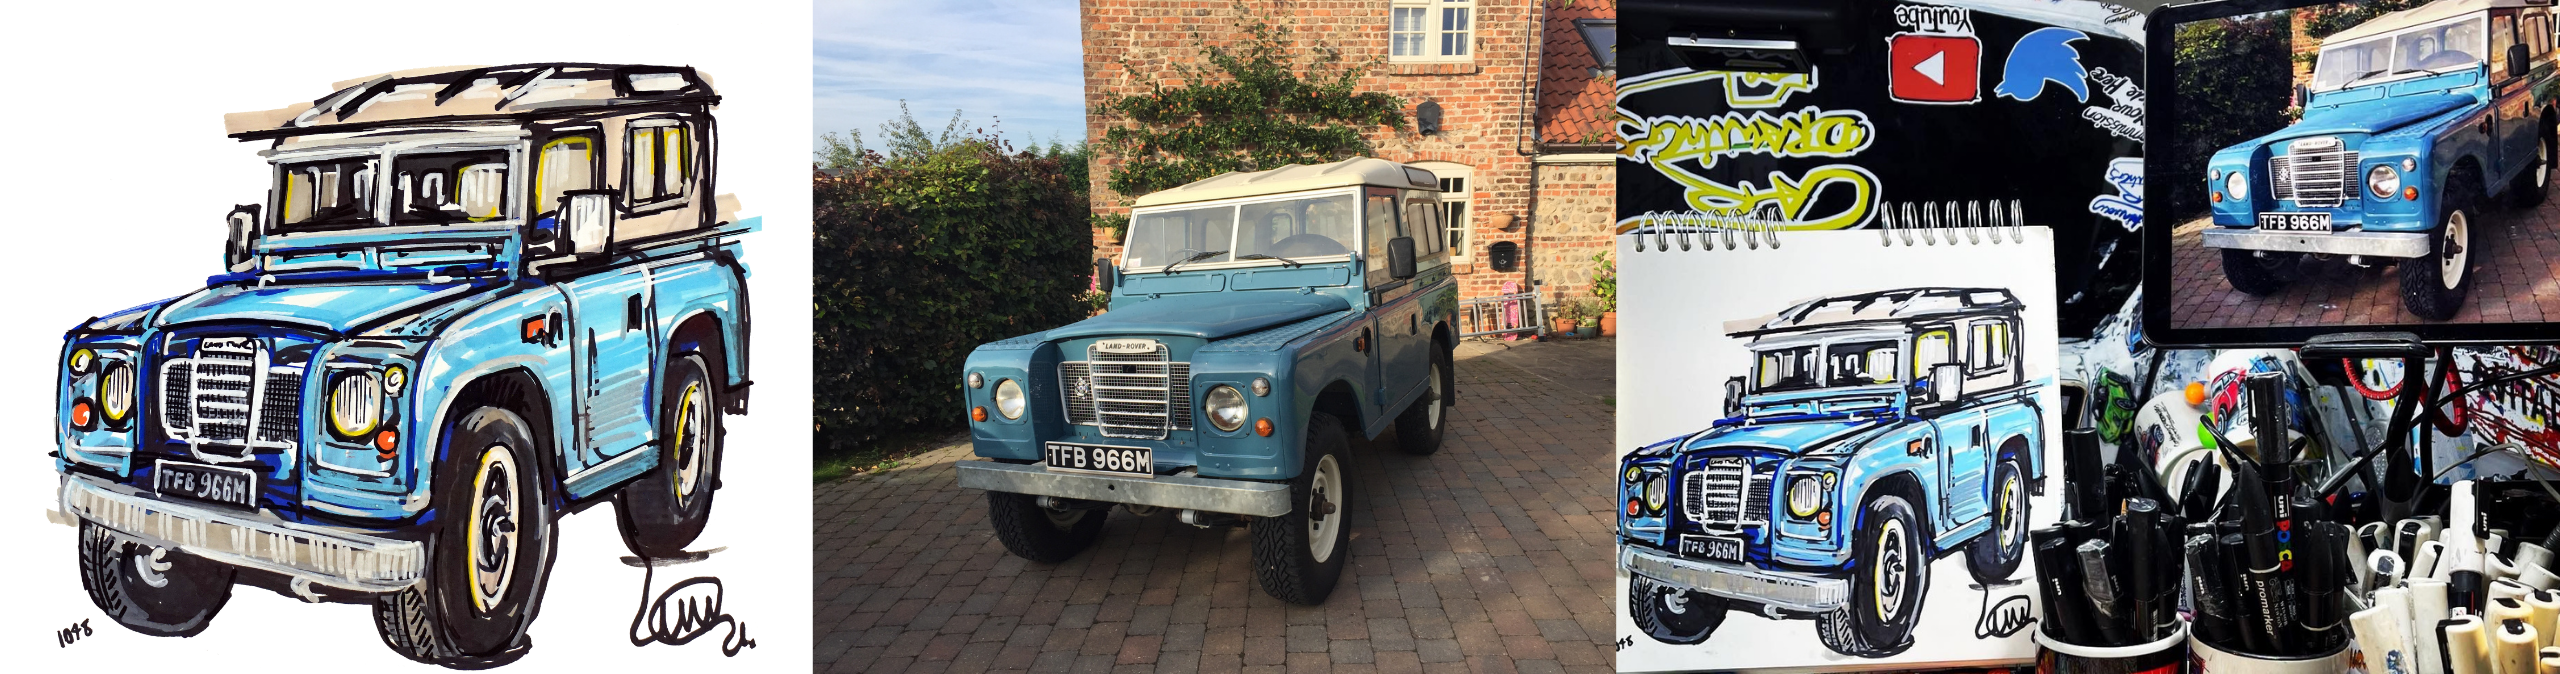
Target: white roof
[
  {"x": 2423, "y": 14},
  {"x": 1295, "y": 178}
]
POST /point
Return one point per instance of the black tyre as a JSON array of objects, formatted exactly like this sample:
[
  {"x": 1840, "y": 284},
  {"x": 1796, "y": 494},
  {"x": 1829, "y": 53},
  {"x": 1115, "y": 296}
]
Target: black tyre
[
  {"x": 154, "y": 590},
  {"x": 1673, "y": 616},
  {"x": 1423, "y": 423},
  {"x": 2528, "y": 190},
  {"x": 2433, "y": 286},
  {"x": 663, "y": 511},
  {"x": 489, "y": 555},
  {"x": 1298, "y": 556},
  {"x": 1041, "y": 534},
  {"x": 1993, "y": 556},
  {"x": 2252, "y": 273},
  {"x": 1885, "y": 590}
]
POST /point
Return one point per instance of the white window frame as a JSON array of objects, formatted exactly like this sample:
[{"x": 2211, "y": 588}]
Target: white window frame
[
  {"x": 1457, "y": 209},
  {"x": 1445, "y": 24}
]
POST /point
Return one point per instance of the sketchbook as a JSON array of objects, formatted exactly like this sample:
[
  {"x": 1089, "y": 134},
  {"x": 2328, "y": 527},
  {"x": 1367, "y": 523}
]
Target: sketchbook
[{"x": 1831, "y": 444}]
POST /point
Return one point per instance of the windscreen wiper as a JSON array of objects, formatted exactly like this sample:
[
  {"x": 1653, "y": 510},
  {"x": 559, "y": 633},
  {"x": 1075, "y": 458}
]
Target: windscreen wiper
[
  {"x": 1195, "y": 258},
  {"x": 1261, "y": 256}
]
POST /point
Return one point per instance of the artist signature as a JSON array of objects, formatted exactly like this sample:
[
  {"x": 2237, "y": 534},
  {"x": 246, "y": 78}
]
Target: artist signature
[
  {"x": 685, "y": 611},
  {"x": 2010, "y": 616}
]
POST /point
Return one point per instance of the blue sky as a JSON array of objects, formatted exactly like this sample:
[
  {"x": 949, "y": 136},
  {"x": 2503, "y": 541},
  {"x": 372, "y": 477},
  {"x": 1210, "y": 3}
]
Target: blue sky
[{"x": 1018, "y": 63}]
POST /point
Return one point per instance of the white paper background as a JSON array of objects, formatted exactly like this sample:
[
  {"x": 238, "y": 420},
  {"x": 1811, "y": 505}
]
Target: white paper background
[
  {"x": 1673, "y": 358},
  {"x": 119, "y": 174}
]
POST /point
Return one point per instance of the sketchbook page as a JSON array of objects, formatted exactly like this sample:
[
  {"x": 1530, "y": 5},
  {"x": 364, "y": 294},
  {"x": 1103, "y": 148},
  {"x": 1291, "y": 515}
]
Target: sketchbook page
[
  {"x": 1823, "y": 330},
  {"x": 125, "y": 171}
]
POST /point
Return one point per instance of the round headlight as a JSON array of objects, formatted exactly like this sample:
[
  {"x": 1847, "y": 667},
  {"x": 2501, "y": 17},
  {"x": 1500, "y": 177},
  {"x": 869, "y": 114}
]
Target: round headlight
[
  {"x": 115, "y": 392},
  {"x": 1009, "y": 401},
  {"x": 1804, "y": 497},
  {"x": 1225, "y": 407},
  {"x": 1656, "y": 492},
  {"x": 2236, "y": 184},
  {"x": 355, "y": 404},
  {"x": 81, "y": 360},
  {"x": 2383, "y": 180},
  {"x": 1634, "y": 473},
  {"x": 394, "y": 378}
]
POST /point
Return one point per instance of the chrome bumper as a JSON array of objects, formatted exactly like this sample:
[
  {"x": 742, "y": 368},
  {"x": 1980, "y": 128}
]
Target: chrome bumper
[
  {"x": 1240, "y": 497},
  {"x": 2348, "y": 242},
  {"x": 1791, "y": 591},
  {"x": 318, "y": 555}
]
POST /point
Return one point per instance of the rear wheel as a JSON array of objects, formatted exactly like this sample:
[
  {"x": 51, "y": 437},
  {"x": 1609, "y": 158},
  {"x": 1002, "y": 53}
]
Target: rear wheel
[
  {"x": 2433, "y": 286},
  {"x": 1993, "y": 556},
  {"x": 1421, "y": 427},
  {"x": 2259, "y": 272},
  {"x": 489, "y": 554},
  {"x": 1673, "y": 616},
  {"x": 159, "y": 591},
  {"x": 2530, "y": 185},
  {"x": 666, "y": 509},
  {"x": 1043, "y": 535},
  {"x": 1297, "y": 557}
]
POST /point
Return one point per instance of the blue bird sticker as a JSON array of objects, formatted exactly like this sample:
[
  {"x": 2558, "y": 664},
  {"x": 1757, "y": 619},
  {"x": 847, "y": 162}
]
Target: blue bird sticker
[{"x": 2045, "y": 55}]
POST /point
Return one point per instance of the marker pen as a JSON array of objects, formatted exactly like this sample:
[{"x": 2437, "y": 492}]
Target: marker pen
[
  {"x": 2141, "y": 535},
  {"x": 2083, "y": 476},
  {"x": 2244, "y": 605},
  {"x": 2427, "y": 607},
  {"x": 2507, "y": 589},
  {"x": 2430, "y": 555},
  {"x": 2515, "y": 647},
  {"x": 2409, "y": 534},
  {"x": 2532, "y": 554},
  {"x": 2386, "y": 570},
  {"x": 2270, "y": 587},
  {"x": 2212, "y": 603},
  {"x": 2465, "y": 644},
  {"x": 2320, "y": 581},
  {"x": 2549, "y": 662},
  {"x": 2359, "y": 571},
  {"x": 2510, "y": 608},
  {"x": 2539, "y": 578},
  {"x": 2058, "y": 582},
  {"x": 2098, "y": 579},
  {"x": 2383, "y": 637},
  {"x": 2499, "y": 568},
  {"x": 2546, "y": 614}
]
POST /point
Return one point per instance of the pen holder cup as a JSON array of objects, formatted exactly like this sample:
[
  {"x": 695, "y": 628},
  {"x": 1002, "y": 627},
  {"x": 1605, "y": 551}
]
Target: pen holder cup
[
  {"x": 2211, "y": 659},
  {"x": 2166, "y": 656}
]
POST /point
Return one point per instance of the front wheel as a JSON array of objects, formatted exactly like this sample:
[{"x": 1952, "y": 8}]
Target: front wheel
[
  {"x": 488, "y": 555},
  {"x": 1993, "y": 556},
  {"x": 1884, "y": 594},
  {"x": 2433, "y": 286},
  {"x": 154, "y": 590},
  {"x": 1673, "y": 616},
  {"x": 1043, "y": 535},
  {"x": 2259, "y": 273},
  {"x": 664, "y": 510},
  {"x": 1298, "y": 556},
  {"x": 1424, "y": 423}
]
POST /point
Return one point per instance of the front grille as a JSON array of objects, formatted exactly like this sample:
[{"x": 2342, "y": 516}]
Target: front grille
[
  {"x": 2318, "y": 174},
  {"x": 1725, "y": 494},
  {"x": 215, "y": 400},
  {"x": 1128, "y": 395}
]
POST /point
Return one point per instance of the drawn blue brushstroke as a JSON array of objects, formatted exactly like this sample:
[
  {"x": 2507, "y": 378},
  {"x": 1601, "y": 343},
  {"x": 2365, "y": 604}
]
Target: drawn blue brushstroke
[{"x": 2045, "y": 55}]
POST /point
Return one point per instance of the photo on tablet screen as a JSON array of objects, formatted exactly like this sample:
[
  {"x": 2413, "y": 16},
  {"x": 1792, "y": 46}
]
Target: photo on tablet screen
[{"x": 2359, "y": 164}]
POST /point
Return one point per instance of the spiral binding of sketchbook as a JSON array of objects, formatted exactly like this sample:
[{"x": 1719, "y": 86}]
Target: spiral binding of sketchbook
[{"x": 1920, "y": 223}]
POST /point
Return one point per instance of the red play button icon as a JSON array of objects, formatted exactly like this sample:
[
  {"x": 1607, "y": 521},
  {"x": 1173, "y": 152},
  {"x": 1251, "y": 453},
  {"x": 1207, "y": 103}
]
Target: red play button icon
[{"x": 1936, "y": 68}]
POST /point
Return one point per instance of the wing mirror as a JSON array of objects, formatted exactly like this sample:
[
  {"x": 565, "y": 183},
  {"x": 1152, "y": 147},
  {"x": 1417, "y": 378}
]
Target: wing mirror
[
  {"x": 1105, "y": 275},
  {"x": 239, "y": 250},
  {"x": 1400, "y": 257},
  {"x": 1946, "y": 382},
  {"x": 2519, "y": 60},
  {"x": 588, "y": 216},
  {"x": 2302, "y": 95},
  {"x": 1732, "y": 397}
]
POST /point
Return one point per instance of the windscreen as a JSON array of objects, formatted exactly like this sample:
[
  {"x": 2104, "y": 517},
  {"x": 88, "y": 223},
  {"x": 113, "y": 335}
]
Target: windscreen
[
  {"x": 2367, "y": 189},
  {"x": 1293, "y": 229},
  {"x": 325, "y": 194},
  {"x": 449, "y": 187}
]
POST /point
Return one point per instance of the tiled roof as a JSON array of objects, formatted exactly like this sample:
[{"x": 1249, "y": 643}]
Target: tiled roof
[{"x": 1574, "y": 105}]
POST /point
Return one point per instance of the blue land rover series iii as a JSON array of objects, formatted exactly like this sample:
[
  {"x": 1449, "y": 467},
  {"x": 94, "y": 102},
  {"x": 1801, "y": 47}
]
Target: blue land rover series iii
[
  {"x": 1873, "y": 432},
  {"x": 2412, "y": 122},
  {"x": 474, "y": 300},
  {"x": 1256, "y": 321}
]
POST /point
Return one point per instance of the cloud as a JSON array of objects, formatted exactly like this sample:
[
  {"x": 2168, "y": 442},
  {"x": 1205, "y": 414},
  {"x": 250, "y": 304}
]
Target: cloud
[{"x": 1016, "y": 63}]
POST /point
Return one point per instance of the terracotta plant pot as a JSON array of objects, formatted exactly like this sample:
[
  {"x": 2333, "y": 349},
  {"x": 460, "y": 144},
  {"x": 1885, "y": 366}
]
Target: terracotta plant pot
[
  {"x": 1609, "y": 324},
  {"x": 1564, "y": 325}
]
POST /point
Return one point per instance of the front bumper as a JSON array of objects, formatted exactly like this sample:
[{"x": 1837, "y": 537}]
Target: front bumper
[
  {"x": 318, "y": 555},
  {"x": 2349, "y": 242},
  {"x": 1188, "y": 491},
  {"x": 1791, "y": 591}
]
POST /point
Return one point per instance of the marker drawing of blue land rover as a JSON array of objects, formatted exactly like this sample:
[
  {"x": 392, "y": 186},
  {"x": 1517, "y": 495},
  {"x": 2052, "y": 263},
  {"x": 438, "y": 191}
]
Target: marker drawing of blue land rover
[
  {"x": 473, "y": 301},
  {"x": 2412, "y": 123},
  {"x": 1257, "y": 320},
  {"x": 1873, "y": 433}
]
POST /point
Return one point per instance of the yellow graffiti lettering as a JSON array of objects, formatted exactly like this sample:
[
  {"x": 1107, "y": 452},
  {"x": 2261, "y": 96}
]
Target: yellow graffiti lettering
[
  {"x": 1810, "y": 132},
  {"x": 1787, "y": 202},
  {"x": 1741, "y": 89}
]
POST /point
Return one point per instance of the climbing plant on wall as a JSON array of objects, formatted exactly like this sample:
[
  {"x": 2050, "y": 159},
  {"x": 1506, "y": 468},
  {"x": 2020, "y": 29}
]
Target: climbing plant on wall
[{"x": 1247, "y": 106}]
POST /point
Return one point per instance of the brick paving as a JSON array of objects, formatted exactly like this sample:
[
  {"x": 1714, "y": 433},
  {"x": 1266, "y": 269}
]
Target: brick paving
[
  {"x": 2518, "y": 267},
  {"x": 1491, "y": 556}
]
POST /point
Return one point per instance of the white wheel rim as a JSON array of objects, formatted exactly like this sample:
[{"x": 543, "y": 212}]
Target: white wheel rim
[
  {"x": 490, "y": 536},
  {"x": 1890, "y": 564},
  {"x": 2457, "y": 249},
  {"x": 1063, "y": 519},
  {"x": 2012, "y": 526},
  {"x": 1676, "y": 603},
  {"x": 1324, "y": 493},
  {"x": 2542, "y": 170},
  {"x": 691, "y": 444},
  {"x": 1435, "y": 403}
]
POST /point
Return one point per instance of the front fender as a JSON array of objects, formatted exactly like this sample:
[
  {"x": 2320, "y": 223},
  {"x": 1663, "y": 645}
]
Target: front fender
[{"x": 488, "y": 340}]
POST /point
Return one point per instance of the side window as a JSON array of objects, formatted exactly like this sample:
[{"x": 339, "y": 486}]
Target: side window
[
  {"x": 1990, "y": 347},
  {"x": 1930, "y": 349},
  {"x": 1422, "y": 222},
  {"x": 1381, "y": 223},
  {"x": 2537, "y": 33},
  {"x": 563, "y": 164},
  {"x": 657, "y": 161},
  {"x": 2502, "y": 34}
]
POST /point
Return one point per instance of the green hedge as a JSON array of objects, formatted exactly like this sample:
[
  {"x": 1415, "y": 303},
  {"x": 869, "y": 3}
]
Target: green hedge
[
  {"x": 920, "y": 258},
  {"x": 2236, "y": 78}
]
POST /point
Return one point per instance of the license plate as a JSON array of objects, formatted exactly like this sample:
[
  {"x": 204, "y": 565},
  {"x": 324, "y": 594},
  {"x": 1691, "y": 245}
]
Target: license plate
[
  {"x": 1712, "y": 548},
  {"x": 2294, "y": 222},
  {"x": 1129, "y": 461},
  {"x": 211, "y": 484}
]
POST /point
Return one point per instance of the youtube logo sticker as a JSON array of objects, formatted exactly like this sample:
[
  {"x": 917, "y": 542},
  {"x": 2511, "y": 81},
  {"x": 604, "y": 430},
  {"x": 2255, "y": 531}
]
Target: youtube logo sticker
[{"x": 1930, "y": 68}]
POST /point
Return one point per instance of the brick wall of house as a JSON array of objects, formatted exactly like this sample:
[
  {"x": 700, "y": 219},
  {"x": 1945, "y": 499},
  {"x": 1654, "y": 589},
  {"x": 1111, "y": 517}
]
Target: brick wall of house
[
  {"x": 1133, "y": 45},
  {"x": 1575, "y": 206}
]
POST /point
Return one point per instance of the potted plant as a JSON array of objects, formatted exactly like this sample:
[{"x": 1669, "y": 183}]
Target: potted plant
[
  {"x": 1604, "y": 289},
  {"x": 1589, "y": 310},
  {"x": 1568, "y": 317}
]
